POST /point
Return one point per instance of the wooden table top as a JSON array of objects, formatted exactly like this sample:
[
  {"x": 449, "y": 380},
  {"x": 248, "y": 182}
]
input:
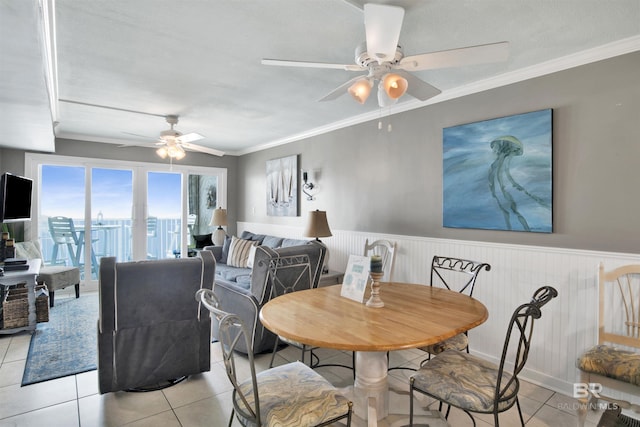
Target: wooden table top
[{"x": 412, "y": 316}]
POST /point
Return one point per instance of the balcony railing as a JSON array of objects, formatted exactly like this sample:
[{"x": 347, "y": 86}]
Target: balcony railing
[{"x": 113, "y": 238}]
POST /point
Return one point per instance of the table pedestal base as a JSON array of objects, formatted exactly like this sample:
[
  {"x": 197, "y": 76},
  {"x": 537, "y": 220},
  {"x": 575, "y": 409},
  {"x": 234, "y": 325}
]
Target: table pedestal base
[{"x": 370, "y": 387}]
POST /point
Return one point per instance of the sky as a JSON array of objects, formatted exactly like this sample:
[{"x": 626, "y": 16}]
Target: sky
[{"x": 63, "y": 192}]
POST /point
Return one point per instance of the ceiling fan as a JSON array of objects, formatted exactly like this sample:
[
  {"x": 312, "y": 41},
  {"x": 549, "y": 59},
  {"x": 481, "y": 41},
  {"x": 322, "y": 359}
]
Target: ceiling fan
[
  {"x": 173, "y": 144},
  {"x": 384, "y": 61}
]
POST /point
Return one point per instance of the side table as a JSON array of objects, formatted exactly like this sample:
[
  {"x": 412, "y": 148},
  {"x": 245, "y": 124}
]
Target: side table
[
  {"x": 330, "y": 278},
  {"x": 11, "y": 278}
]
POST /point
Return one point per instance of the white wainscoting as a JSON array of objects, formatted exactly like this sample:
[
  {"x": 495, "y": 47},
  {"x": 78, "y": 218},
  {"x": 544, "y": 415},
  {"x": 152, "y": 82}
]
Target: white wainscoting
[{"x": 568, "y": 324}]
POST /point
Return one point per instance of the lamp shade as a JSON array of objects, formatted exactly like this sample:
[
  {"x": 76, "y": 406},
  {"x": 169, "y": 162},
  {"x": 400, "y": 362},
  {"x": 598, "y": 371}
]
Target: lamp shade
[
  {"x": 360, "y": 90},
  {"x": 219, "y": 217},
  {"x": 317, "y": 225},
  {"x": 395, "y": 85}
]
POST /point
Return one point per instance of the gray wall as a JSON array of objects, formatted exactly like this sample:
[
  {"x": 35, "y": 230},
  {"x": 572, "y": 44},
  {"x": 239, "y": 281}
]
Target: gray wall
[{"x": 375, "y": 181}]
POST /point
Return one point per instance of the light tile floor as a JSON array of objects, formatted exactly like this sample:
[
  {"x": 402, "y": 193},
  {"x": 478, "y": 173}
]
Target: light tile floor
[{"x": 204, "y": 399}]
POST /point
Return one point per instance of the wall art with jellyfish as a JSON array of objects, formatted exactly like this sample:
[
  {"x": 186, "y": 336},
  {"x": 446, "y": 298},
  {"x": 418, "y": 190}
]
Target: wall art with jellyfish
[{"x": 497, "y": 174}]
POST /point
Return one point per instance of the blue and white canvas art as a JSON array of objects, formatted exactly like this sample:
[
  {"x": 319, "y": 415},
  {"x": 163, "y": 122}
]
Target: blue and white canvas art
[{"x": 497, "y": 174}]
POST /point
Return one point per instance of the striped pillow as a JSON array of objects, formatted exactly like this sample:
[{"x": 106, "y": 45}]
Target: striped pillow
[{"x": 239, "y": 252}]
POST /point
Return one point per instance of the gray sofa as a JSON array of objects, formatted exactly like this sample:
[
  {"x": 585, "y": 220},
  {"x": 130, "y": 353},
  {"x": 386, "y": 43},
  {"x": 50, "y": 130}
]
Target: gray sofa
[
  {"x": 243, "y": 291},
  {"x": 150, "y": 327}
]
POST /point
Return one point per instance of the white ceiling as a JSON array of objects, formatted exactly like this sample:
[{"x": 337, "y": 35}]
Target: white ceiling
[{"x": 201, "y": 60}]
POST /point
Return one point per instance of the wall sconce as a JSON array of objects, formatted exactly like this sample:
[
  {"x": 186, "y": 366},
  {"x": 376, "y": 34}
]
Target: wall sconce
[{"x": 308, "y": 185}]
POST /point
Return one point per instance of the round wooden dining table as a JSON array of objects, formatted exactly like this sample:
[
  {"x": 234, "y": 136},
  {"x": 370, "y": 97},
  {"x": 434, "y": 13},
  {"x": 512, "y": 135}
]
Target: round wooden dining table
[{"x": 413, "y": 315}]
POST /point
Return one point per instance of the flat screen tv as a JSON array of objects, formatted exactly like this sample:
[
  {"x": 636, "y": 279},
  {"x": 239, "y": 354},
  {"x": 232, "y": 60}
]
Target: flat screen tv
[{"x": 15, "y": 198}]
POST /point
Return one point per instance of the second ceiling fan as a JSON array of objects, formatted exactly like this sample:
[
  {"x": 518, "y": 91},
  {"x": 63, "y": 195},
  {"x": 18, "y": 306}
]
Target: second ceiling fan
[{"x": 384, "y": 61}]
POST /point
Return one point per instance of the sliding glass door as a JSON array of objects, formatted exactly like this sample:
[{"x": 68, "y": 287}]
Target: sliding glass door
[{"x": 129, "y": 211}]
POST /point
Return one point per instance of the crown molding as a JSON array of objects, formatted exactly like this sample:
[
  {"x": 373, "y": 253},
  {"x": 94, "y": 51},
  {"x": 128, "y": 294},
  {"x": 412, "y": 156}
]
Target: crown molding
[{"x": 606, "y": 51}]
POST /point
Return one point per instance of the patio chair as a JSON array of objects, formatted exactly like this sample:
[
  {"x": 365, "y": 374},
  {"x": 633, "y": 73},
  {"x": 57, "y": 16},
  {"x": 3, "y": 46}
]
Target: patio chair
[
  {"x": 63, "y": 232},
  {"x": 289, "y": 395},
  {"x": 479, "y": 385}
]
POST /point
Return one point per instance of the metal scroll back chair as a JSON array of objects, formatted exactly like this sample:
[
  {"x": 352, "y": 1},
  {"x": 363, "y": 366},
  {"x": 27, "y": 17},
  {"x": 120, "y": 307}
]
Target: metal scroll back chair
[
  {"x": 481, "y": 386},
  {"x": 63, "y": 233},
  {"x": 289, "y": 274},
  {"x": 458, "y": 275},
  {"x": 387, "y": 250},
  {"x": 288, "y": 395}
]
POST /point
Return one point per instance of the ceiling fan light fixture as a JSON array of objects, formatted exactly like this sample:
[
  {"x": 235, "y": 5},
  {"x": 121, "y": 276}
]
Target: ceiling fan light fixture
[
  {"x": 162, "y": 152},
  {"x": 360, "y": 90},
  {"x": 395, "y": 85},
  {"x": 384, "y": 100}
]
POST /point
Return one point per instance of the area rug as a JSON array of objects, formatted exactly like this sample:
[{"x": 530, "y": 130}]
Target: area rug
[{"x": 67, "y": 343}]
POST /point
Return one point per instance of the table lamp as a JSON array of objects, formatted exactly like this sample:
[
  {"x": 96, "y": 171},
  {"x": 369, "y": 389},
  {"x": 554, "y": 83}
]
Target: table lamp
[
  {"x": 219, "y": 218},
  {"x": 317, "y": 227}
]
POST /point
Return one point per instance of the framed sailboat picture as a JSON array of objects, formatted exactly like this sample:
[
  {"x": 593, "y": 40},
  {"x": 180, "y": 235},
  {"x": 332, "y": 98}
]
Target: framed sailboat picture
[{"x": 282, "y": 186}]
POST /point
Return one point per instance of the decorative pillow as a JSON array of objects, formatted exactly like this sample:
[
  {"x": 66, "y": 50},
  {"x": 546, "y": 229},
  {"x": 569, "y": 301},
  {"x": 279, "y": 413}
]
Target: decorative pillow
[
  {"x": 203, "y": 240},
  {"x": 252, "y": 255},
  {"x": 225, "y": 249},
  {"x": 293, "y": 242},
  {"x": 239, "y": 252},
  {"x": 248, "y": 235},
  {"x": 272, "y": 241}
]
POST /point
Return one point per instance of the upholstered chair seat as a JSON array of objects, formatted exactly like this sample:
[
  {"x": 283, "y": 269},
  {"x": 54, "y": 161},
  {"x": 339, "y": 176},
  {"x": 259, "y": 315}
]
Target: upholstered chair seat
[
  {"x": 315, "y": 400},
  {"x": 459, "y": 342},
  {"x": 458, "y": 379},
  {"x": 53, "y": 276},
  {"x": 290, "y": 395},
  {"x": 470, "y": 381},
  {"x": 609, "y": 361}
]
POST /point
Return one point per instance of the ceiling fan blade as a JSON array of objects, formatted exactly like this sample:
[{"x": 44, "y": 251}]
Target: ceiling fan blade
[
  {"x": 141, "y": 136},
  {"x": 340, "y": 90},
  {"x": 382, "y": 26},
  {"x": 482, "y": 54},
  {"x": 308, "y": 64},
  {"x": 419, "y": 88},
  {"x": 190, "y": 137},
  {"x": 140, "y": 144},
  {"x": 202, "y": 149}
]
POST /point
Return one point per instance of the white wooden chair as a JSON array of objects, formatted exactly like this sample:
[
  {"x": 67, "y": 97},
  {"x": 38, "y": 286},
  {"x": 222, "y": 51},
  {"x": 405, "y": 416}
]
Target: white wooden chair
[
  {"x": 387, "y": 250},
  {"x": 617, "y": 355}
]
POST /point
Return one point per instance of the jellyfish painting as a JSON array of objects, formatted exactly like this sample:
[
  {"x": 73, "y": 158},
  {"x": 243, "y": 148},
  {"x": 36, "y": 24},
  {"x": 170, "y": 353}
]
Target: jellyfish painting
[
  {"x": 505, "y": 148},
  {"x": 497, "y": 174}
]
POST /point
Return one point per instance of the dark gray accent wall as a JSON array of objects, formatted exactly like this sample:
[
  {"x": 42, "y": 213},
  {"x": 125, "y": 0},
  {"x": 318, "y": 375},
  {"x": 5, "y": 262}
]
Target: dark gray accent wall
[{"x": 372, "y": 180}]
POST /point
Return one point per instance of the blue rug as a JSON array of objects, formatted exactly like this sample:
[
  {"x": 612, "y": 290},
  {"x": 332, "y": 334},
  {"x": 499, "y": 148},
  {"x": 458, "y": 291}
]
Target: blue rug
[{"x": 67, "y": 343}]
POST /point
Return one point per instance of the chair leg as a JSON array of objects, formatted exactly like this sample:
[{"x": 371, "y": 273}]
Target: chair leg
[
  {"x": 77, "y": 286},
  {"x": 411, "y": 402},
  {"x": 51, "y": 294},
  {"x": 519, "y": 412},
  {"x": 233, "y": 411},
  {"x": 273, "y": 355}
]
